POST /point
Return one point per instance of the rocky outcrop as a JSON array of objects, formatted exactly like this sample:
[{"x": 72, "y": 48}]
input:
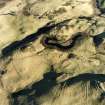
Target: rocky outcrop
[{"x": 52, "y": 52}]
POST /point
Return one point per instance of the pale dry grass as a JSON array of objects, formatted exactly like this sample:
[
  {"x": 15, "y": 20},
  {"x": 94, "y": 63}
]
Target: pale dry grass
[{"x": 78, "y": 94}]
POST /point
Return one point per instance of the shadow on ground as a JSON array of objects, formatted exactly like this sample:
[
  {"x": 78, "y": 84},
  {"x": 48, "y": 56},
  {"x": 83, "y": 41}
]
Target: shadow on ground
[
  {"x": 30, "y": 38},
  {"x": 28, "y": 95},
  {"x": 98, "y": 39}
]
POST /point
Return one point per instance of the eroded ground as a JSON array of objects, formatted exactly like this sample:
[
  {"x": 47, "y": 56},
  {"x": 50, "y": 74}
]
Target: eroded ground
[{"x": 52, "y": 52}]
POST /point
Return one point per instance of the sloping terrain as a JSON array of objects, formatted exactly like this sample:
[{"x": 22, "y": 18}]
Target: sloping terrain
[{"x": 52, "y": 52}]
